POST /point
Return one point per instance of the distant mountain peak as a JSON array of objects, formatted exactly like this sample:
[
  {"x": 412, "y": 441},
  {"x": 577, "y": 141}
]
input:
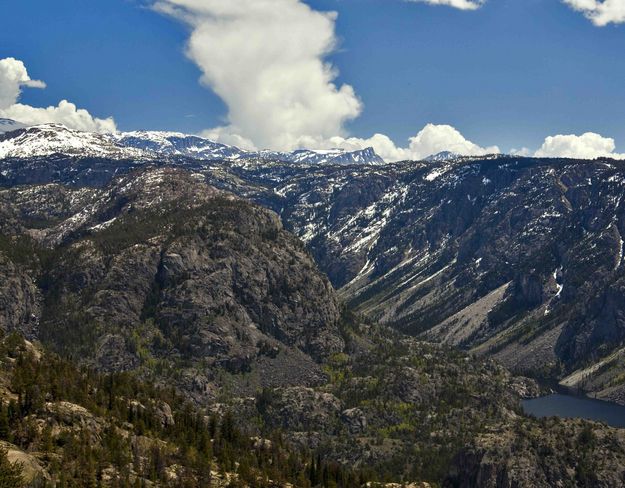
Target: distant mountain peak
[
  {"x": 48, "y": 139},
  {"x": 176, "y": 144},
  {"x": 333, "y": 156},
  {"x": 442, "y": 156},
  {"x": 20, "y": 141}
]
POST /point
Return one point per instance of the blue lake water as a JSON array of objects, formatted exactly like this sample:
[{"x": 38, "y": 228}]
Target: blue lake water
[{"x": 569, "y": 406}]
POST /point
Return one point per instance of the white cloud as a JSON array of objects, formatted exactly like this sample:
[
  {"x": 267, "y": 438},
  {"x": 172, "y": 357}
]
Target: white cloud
[
  {"x": 229, "y": 136},
  {"x": 586, "y": 146},
  {"x": 65, "y": 113},
  {"x": 266, "y": 60},
  {"x": 432, "y": 139},
  {"x": 14, "y": 76},
  {"x": 436, "y": 138},
  {"x": 523, "y": 152},
  {"x": 601, "y": 13},
  {"x": 461, "y": 4}
]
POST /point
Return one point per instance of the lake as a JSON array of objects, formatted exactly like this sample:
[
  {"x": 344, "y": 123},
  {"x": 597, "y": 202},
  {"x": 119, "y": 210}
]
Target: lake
[{"x": 569, "y": 406}]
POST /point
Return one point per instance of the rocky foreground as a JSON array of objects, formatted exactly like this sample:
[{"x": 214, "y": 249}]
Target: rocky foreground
[{"x": 389, "y": 410}]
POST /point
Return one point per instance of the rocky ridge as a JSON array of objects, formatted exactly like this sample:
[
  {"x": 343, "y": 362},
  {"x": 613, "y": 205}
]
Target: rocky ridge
[{"x": 159, "y": 267}]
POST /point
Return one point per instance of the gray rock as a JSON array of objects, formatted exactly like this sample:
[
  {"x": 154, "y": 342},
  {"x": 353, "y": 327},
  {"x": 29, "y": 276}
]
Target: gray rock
[
  {"x": 160, "y": 266},
  {"x": 355, "y": 420},
  {"x": 20, "y": 299}
]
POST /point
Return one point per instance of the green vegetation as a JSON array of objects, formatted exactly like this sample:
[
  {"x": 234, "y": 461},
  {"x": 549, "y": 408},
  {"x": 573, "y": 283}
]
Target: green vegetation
[
  {"x": 10, "y": 473},
  {"x": 114, "y": 429},
  {"x": 422, "y": 404}
]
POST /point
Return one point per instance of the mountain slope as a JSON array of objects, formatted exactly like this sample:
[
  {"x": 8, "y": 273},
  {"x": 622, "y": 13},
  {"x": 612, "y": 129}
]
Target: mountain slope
[
  {"x": 161, "y": 268},
  {"x": 519, "y": 258},
  {"x": 162, "y": 276}
]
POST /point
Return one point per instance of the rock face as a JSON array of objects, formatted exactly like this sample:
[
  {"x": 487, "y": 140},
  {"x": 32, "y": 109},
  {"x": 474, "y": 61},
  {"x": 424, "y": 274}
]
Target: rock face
[
  {"x": 554, "y": 453},
  {"x": 517, "y": 258},
  {"x": 160, "y": 266},
  {"x": 32, "y": 471},
  {"x": 299, "y": 409},
  {"x": 20, "y": 299}
]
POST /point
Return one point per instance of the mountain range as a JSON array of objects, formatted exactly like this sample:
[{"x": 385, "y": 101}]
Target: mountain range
[
  {"x": 385, "y": 316},
  {"x": 518, "y": 258},
  {"x": 19, "y": 141}
]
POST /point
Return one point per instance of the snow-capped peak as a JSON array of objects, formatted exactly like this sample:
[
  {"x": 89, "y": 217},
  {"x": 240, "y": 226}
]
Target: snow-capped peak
[
  {"x": 336, "y": 156},
  {"x": 442, "y": 156},
  {"x": 48, "y": 139},
  {"x": 177, "y": 144}
]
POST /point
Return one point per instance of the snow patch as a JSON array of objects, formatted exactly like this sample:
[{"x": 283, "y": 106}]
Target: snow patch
[{"x": 103, "y": 225}]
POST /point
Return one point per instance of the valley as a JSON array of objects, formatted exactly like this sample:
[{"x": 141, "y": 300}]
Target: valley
[
  {"x": 516, "y": 258},
  {"x": 382, "y": 322}
]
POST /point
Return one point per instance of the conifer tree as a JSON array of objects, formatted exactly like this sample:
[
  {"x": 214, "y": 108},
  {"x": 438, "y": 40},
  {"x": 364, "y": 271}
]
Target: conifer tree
[
  {"x": 10, "y": 473},
  {"x": 4, "y": 422}
]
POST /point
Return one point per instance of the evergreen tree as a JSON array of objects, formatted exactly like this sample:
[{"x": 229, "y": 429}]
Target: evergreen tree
[
  {"x": 4, "y": 422},
  {"x": 10, "y": 473}
]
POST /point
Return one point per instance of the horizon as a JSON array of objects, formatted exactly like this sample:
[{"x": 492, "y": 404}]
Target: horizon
[{"x": 448, "y": 155}]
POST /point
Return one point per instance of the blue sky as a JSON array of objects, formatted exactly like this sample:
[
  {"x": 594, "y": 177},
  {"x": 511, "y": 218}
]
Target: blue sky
[{"x": 508, "y": 74}]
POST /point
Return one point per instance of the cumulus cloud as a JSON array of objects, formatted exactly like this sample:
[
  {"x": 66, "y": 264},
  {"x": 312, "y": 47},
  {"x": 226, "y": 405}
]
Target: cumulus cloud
[
  {"x": 229, "y": 136},
  {"x": 266, "y": 60},
  {"x": 601, "y": 13},
  {"x": 460, "y": 4},
  {"x": 523, "y": 152},
  {"x": 432, "y": 139},
  {"x": 65, "y": 113},
  {"x": 586, "y": 146},
  {"x": 14, "y": 76},
  {"x": 436, "y": 138}
]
